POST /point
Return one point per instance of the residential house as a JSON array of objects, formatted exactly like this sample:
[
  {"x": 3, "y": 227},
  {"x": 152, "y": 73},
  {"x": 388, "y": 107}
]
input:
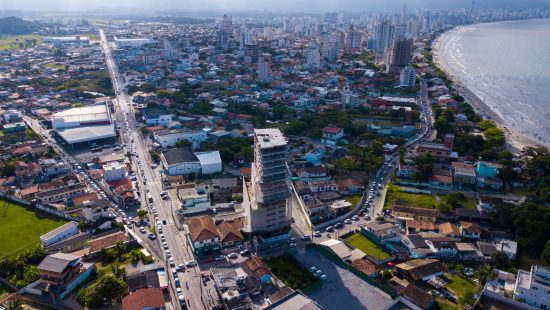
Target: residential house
[
  {"x": 202, "y": 234},
  {"x": 332, "y": 135},
  {"x": 416, "y": 245},
  {"x": 470, "y": 230},
  {"x": 349, "y": 186},
  {"x": 184, "y": 161},
  {"x": 413, "y": 226},
  {"x": 59, "y": 194},
  {"x": 405, "y": 171},
  {"x": 144, "y": 299},
  {"x": 450, "y": 230},
  {"x": 257, "y": 270},
  {"x": 157, "y": 116},
  {"x": 380, "y": 233},
  {"x": 193, "y": 197},
  {"x": 62, "y": 273},
  {"x": 509, "y": 247},
  {"x": 441, "y": 247},
  {"x": 315, "y": 156},
  {"x": 533, "y": 287},
  {"x": 488, "y": 203},
  {"x": 230, "y": 232},
  {"x": 439, "y": 151},
  {"x": 312, "y": 173},
  {"x": 419, "y": 297},
  {"x": 95, "y": 210},
  {"x": 441, "y": 179},
  {"x": 419, "y": 214},
  {"x": 323, "y": 186},
  {"x": 420, "y": 269},
  {"x": 463, "y": 174}
]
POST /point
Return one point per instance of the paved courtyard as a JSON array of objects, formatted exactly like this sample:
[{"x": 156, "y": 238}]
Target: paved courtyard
[{"x": 342, "y": 289}]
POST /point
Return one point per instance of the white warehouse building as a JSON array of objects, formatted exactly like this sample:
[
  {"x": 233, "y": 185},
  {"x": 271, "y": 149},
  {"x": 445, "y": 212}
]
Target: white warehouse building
[
  {"x": 183, "y": 161},
  {"x": 169, "y": 137},
  {"x": 60, "y": 233},
  {"x": 84, "y": 124}
]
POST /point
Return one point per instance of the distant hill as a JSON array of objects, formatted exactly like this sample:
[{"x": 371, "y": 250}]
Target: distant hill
[{"x": 17, "y": 26}]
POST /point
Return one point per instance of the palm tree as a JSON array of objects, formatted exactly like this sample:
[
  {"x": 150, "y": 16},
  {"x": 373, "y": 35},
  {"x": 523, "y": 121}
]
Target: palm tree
[{"x": 483, "y": 274}]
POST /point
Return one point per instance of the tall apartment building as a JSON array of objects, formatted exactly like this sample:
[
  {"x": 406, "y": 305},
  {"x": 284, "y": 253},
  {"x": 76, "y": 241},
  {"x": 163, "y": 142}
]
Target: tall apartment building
[
  {"x": 400, "y": 55},
  {"x": 313, "y": 58},
  {"x": 264, "y": 68},
  {"x": 265, "y": 195},
  {"x": 354, "y": 39},
  {"x": 407, "y": 77},
  {"x": 383, "y": 36}
]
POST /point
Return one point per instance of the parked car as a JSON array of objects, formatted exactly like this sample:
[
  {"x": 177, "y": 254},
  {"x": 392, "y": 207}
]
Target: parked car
[
  {"x": 220, "y": 258},
  {"x": 232, "y": 255}
]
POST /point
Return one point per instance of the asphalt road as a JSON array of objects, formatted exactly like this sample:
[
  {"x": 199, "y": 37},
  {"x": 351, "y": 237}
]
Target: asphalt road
[{"x": 151, "y": 181}]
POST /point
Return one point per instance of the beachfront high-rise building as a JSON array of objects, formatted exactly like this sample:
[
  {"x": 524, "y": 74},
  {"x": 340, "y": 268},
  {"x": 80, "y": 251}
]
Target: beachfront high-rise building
[
  {"x": 265, "y": 195},
  {"x": 383, "y": 36},
  {"x": 400, "y": 54},
  {"x": 407, "y": 78},
  {"x": 226, "y": 23}
]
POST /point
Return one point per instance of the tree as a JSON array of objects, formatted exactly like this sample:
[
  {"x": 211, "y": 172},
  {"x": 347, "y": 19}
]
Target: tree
[
  {"x": 105, "y": 290},
  {"x": 9, "y": 169},
  {"x": 141, "y": 213},
  {"x": 467, "y": 300},
  {"x": 183, "y": 144},
  {"x": 545, "y": 255},
  {"x": 454, "y": 200},
  {"x": 386, "y": 275},
  {"x": 345, "y": 164},
  {"x": 424, "y": 166},
  {"x": 483, "y": 274},
  {"x": 501, "y": 260},
  {"x": 15, "y": 304}
]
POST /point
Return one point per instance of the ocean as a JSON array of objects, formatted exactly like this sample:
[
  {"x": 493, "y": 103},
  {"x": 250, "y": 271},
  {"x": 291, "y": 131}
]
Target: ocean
[{"x": 506, "y": 65}]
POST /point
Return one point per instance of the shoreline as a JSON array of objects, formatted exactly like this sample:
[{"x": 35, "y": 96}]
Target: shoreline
[{"x": 514, "y": 141}]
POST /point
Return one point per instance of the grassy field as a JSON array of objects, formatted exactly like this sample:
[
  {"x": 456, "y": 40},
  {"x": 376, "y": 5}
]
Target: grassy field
[
  {"x": 362, "y": 243},
  {"x": 427, "y": 201},
  {"x": 459, "y": 285},
  {"x": 7, "y": 43},
  {"x": 287, "y": 269},
  {"x": 21, "y": 228},
  {"x": 353, "y": 199},
  {"x": 55, "y": 65},
  {"x": 444, "y": 304}
]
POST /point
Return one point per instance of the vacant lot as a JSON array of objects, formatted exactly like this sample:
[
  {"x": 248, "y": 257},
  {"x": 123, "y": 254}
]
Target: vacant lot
[
  {"x": 394, "y": 196},
  {"x": 16, "y": 42},
  {"x": 289, "y": 270},
  {"x": 459, "y": 285},
  {"x": 353, "y": 199},
  {"x": 362, "y": 243},
  {"x": 21, "y": 228}
]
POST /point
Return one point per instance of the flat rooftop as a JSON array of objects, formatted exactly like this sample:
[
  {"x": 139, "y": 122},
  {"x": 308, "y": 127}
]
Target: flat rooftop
[
  {"x": 269, "y": 137},
  {"x": 87, "y": 133},
  {"x": 83, "y": 114}
]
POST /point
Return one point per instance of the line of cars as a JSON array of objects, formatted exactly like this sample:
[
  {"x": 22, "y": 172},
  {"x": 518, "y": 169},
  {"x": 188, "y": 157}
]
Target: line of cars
[{"x": 318, "y": 273}]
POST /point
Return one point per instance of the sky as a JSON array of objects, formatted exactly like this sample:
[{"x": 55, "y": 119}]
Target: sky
[{"x": 264, "y": 5}]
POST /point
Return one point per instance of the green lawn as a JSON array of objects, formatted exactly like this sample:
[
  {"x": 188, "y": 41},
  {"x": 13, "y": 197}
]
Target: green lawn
[
  {"x": 394, "y": 196},
  {"x": 413, "y": 200},
  {"x": 288, "y": 269},
  {"x": 459, "y": 285},
  {"x": 21, "y": 228},
  {"x": 444, "y": 304},
  {"x": 362, "y": 243},
  {"x": 353, "y": 199},
  {"x": 55, "y": 65},
  {"x": 12, "y": 42}
]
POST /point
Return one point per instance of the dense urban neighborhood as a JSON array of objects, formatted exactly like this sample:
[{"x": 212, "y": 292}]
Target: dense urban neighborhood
[{"x": 262, "y": 161}]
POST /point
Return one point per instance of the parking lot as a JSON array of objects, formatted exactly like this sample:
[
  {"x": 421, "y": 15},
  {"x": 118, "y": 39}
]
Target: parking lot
[{"x": 342, "y": 289}]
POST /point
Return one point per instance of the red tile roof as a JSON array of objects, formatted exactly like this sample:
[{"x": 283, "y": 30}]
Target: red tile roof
[
  {"x": 148, "y": 298},
  {"x": 332, "y": 129}
]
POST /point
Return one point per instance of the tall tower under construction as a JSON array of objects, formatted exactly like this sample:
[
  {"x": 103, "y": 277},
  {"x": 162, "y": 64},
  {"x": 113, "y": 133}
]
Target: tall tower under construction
[{"x": 265, "y": 195}]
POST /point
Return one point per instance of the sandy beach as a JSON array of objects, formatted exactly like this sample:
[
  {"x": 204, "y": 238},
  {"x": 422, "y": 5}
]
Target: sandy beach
[{"x": 514, "y": 141}]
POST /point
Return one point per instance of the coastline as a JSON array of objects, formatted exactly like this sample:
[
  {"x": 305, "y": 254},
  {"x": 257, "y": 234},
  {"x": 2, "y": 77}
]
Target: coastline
[{"x": 514, "y": 141}]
